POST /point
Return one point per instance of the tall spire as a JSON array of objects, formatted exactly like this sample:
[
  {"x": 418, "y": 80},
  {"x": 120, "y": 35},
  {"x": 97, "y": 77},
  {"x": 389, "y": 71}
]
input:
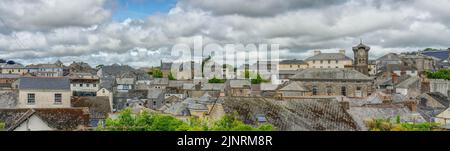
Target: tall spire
[{"x": 360, "y": 39}]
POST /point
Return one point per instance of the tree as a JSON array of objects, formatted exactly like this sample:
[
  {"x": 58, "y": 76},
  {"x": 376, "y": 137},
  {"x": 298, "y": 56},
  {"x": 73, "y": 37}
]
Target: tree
[
  {"x": 216, "y": 80},
  {"x": 157, "y": 73},
  {"x": 145, "y": 121},
  {"x": 428, "y": 49},
  {"x": 448, "y": 48},
  {"x": 171, "y": 77},
  {"x": 2, "y": 126},
  {"x": 259, "y": 80},
  {"x": 389, "y": 125},
  {"x": 247, "y": 74},
  {"x": 441, "y": 74},
  {"x": 99, "y": 66}
]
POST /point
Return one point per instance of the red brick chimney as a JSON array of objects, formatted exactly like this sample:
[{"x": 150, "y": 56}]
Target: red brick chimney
[
  {"x": 412, "y": 106},
  {"x": 394, "y": 77}
]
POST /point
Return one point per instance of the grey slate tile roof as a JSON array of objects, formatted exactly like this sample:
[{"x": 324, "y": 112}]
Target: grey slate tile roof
[
  {"x": 294, "y": 61},
  {"x": 9, "y": 76},
  {"x": 44, "y": 83},
  {"x": 294, "y": 86},
  {"x": 58, "y": 118},
  {"x": 329, "y": 56},
  {"x": 360, "y": 114},
  {"x": 330, "y": 74}
]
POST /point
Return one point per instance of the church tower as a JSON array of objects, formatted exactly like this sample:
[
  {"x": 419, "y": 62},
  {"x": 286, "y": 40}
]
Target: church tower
[{"x": 361, "y": 60}]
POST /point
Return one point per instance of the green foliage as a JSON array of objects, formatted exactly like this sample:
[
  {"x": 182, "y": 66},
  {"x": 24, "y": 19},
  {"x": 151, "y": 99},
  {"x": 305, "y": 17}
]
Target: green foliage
[
  {"x": 171, "y": 77},
  {"x": 259, "y": 80},
  {"x": 216, "y": 80},
  {"x": 247, "y": 74},
  {"x": 389, "y": 125},
  {"x": 2, "y": 126},
  {"x": 429, "y": 49},
  {"x": 157, "y": 73},
  {"x": 99, "y": 66},
  {"x": 145, "y": 121},
  {"x": 230, "y": 122},
  {"x": 448, "y": 48},
  {"x": 441, "y": 74}
]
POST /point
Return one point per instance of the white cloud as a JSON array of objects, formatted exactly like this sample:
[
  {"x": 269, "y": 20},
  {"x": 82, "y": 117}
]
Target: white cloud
[{"x": 83, "y": 32}]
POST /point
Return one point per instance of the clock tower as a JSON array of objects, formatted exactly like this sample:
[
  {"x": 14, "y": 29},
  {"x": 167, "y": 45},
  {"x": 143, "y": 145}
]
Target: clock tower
[{"x": 361, "y": 60}]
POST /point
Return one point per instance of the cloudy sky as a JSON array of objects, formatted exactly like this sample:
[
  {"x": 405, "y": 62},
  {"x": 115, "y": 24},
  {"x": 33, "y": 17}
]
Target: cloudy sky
[{"x": 141, "y": 32}]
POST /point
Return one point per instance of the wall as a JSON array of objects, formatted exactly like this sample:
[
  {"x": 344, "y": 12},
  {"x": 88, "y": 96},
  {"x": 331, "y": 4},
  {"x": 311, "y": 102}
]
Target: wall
[
  {"x": 93, "y": 87},
  {"x": 292, "y": 66},
  {"x": 331, "y": 64},
  {"x": 44, "y": 98},
  {"x": 109, "y": 94},
  {"x": 34, "y": 123},
  {"x": 444, "y": 117},
  {"x": 440, "y": 85}
]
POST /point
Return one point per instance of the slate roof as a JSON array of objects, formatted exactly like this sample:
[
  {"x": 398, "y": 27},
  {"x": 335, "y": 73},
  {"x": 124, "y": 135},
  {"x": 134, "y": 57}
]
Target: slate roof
[
  {"x": 44, "y": 83},
  {"x": 160, "y": 81},
  {"x": 389, "y": 57},
  {"x": 239, "y": 83},
  {"x": 43, "y": 66},
  {"x": 155, "y": 93},
  {"x": 294, "y": 61},
  {"x": 361, "y": 114},
  {"x": 329, "y": 56},
  {"x": 294, "y": 86},
  {"x": 442, "y": 55},
  {"x": 99, "y": 106},
  {"x": 330, "y": 74},
  {"x": 9, "y": 76},
  {"x": 125, "y": 81},
  {"x": 65, "y": 119},
  {"x": 408, "y": 82},
  {"x": 116, "y": 70},
  {"x": 8, "y": 99}
]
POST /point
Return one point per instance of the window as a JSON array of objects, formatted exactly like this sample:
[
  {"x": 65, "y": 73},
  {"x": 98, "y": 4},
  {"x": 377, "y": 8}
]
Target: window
[
  {"x": 298, "y": 66},
  {"x": 103, "y": 91},
  {"x": 81, "y": 85},
  {"x": 31, "y": 98},
  {"x": 126, "y": 87},
  {"x": 344, "y": 91},
  {"x": 358, "y": 88},
  {"x": 337, "y": 61},
  {"x": 329, "y": 90},
  {"x": 314, "y": 61},
  {"x": 74, "y": 85},
  {"x": 87, "y": 85},
  {"x": 314, "y": 90},
  {"x": 329, "y": 61},
  {"x": 290, "y": 66},
  {"x": 58, "y": 98},
  {"x": 154, "y": 103},
  {"x": 321, "y": 61},
  {"x": 95, "y": 85}
]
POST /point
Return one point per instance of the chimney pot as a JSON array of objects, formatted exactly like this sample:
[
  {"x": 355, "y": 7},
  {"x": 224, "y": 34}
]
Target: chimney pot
[{"x": 316, "y": 52}]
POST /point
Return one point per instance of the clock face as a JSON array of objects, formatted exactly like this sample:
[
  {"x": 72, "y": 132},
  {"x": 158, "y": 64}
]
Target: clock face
[{"x": 361, "y": 53}]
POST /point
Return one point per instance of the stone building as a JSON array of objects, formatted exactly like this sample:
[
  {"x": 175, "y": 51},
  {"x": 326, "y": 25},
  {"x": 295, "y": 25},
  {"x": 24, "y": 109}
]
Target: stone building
[
  {"x": 334, "y": 82},
  {"x": 292, "y": 65},
  {"x": 420, "y": 62},
  {"x": 329, "y": 60},
  {"x": 361, "y": 61},
  {"x": 44, "y": 92}
]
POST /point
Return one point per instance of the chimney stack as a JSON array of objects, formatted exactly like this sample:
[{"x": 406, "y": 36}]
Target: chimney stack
[
  {"x": 316, "y": 52},
  {"x": 394, "y": 78},
  {"x": 342, "y": 51},
  {"x": 411, "y": 106}
]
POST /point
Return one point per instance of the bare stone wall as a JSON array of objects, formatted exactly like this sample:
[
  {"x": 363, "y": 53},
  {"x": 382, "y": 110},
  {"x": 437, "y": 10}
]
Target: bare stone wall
[{"x": 440, "y": 85}]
